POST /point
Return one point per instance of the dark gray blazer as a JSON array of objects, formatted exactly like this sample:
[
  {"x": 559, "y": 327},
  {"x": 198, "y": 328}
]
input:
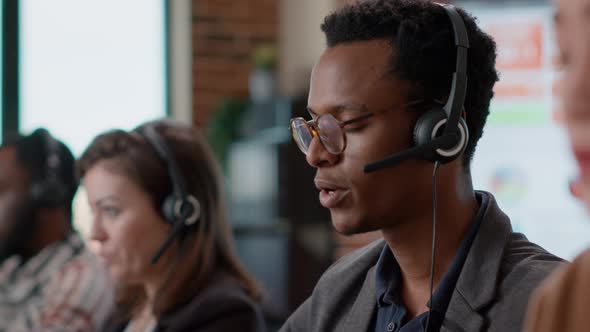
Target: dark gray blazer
[{"x": 492, "y": 292}]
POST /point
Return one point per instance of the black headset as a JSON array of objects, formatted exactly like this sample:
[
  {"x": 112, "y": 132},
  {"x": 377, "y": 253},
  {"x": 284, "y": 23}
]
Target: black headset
[
  {"x": 180, "y": 209},
  {"x": 48, "y": 190},
  {"x": 429, "y": 143}
]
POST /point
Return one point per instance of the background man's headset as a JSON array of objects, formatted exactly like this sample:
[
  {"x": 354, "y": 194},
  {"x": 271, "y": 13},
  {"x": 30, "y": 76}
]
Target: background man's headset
[
  {"x": 47, "y": 189},
  {"x": 429, "y": 144},
  {"x": 180, "y": 209}
]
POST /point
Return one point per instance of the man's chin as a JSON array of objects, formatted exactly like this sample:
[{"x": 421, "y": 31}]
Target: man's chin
[{"x": 350, "y": 227}]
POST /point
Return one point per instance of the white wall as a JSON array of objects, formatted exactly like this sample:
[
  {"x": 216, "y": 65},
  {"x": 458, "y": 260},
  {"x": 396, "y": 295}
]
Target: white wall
[
  {"x": 181, "y": 73},
  {"x": 78, "y": 82},
  {"x": 301, "y": 41}
]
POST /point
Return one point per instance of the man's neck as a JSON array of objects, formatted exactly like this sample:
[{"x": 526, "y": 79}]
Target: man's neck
[{"x": 411, "y": 245}]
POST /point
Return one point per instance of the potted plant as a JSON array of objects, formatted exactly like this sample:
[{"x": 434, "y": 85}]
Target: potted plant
[{"x": 262, "y": 82}]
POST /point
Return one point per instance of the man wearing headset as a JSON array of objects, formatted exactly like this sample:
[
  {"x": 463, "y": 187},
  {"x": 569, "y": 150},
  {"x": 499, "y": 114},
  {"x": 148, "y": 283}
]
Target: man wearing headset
[
  {"x": 393, "y": 73},
  {"x": 49, "y": 281}
]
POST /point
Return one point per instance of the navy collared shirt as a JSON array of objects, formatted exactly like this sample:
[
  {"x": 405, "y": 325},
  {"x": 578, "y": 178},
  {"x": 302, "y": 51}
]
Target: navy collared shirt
[{"x": 391, "y": 312}]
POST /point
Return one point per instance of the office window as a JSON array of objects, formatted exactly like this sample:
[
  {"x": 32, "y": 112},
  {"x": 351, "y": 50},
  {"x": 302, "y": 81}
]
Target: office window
[{"x": 89, "y": 66}]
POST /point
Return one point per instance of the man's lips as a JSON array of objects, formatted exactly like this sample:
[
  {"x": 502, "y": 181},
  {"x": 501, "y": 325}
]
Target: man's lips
[
  {"x": 331, "y": 193},
  {"x": 331, "y": 199}
]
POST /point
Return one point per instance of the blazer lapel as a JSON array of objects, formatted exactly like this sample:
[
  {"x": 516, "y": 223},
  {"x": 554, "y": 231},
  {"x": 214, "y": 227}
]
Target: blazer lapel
[
  {"x": 476, "y": 286},
  {"x": 460, "y": 317},
  {"x": 360, "y": 315}
]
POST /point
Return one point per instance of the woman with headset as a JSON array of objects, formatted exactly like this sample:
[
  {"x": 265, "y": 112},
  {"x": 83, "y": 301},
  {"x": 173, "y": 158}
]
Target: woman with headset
[{"x": 160, "y": 227}]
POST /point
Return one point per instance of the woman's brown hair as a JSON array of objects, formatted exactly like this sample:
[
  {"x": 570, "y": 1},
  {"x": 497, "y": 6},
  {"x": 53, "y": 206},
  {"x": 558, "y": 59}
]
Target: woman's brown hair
[{"x": 202, "y": 249}]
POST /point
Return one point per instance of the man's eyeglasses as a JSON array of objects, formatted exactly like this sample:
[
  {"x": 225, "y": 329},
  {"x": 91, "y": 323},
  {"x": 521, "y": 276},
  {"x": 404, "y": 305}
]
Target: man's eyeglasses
[{"x": 329, "y": 129}]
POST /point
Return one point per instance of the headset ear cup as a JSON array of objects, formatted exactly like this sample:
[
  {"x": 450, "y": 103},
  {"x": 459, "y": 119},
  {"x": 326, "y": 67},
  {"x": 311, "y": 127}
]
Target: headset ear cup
[
  {"x": 168, "y": 208},
  {"x": 465, "y": 130},
  {"x": 448, "y": 155},
  {"x": 176, "y": 209},
  {"x": 50, "y": 193},
  {"x": 430, "y": 125},
  {"x": 424, "y": 128}
]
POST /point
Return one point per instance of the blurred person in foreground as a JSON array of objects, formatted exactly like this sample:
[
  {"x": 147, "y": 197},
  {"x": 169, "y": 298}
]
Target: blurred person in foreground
[
  {"x": 49, "y": 280},
  {"x": 563, "y": 300},
  {"x": 401, "y": 94},
  {"x": 160, "y": 226}
]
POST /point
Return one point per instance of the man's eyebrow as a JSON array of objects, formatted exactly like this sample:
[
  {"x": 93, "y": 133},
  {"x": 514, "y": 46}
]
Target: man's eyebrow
[{"x": 342, "y": 108}]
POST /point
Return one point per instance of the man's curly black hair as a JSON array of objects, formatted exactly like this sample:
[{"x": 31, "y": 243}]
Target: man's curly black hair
[
  {"x": 423, "y": 51},
  {"x": 32, "y": 153}
]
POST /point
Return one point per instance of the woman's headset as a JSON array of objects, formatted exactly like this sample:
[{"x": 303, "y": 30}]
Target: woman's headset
[{"x": 180, "y": 209}]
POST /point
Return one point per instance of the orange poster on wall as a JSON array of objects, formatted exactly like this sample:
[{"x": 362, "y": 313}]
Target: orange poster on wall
[{"x": 520, "y": 44}]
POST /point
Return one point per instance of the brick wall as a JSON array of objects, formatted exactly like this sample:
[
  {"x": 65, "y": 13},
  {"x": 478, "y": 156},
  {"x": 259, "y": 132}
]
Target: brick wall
[{"x": 225, "y": 32}]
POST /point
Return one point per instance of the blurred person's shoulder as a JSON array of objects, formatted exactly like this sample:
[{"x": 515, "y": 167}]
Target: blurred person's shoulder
[
  {"x": 561, "y": 301},
  {"x": 570, "y": 276},
  {"x": 78, "y": 288},
  {"x": 84, "y": 270},
  {"x": 82, "y": 257}
]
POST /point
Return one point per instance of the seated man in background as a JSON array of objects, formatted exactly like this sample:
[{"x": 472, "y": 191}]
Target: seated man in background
[
  {"x": 49, "y": 281},
  {"x": 562, "y": 302},
  {"x": 403, "y": 92}
]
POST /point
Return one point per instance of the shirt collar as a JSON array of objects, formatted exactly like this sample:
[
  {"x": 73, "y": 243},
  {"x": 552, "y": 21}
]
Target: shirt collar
[{"x": 388, "y": 273}]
